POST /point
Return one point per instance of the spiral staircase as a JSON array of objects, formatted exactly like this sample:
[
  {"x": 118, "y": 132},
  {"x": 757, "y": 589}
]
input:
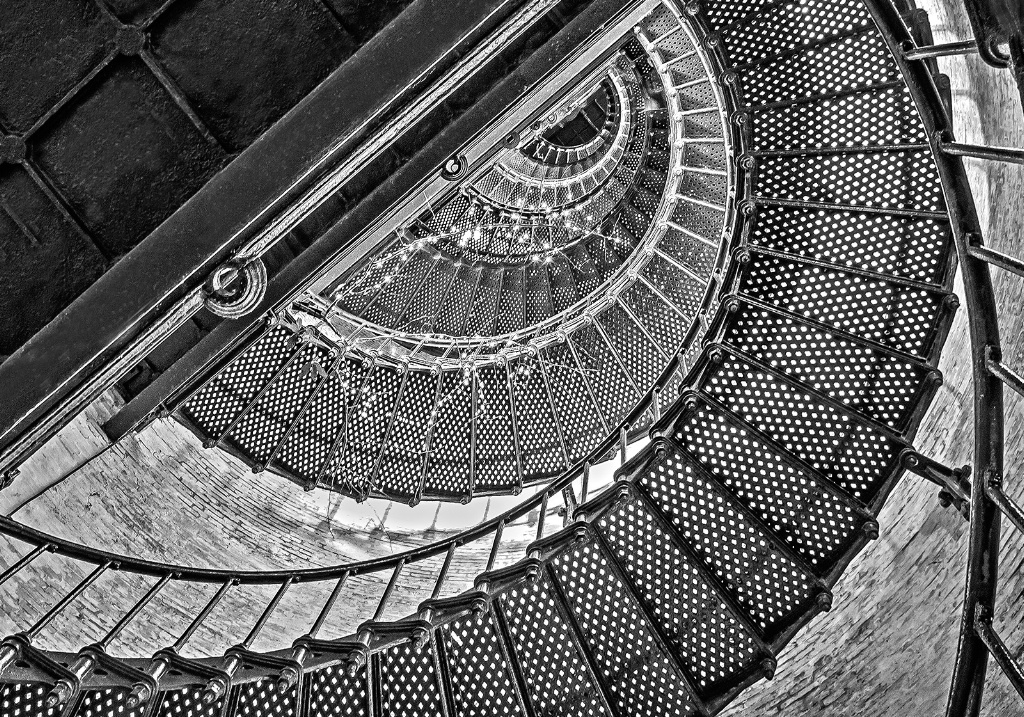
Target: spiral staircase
[{"x": 733, "y": 240}]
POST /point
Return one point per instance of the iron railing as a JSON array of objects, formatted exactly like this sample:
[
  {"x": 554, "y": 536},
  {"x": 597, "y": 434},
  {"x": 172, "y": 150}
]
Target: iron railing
[{"x": 982, "y": 500}]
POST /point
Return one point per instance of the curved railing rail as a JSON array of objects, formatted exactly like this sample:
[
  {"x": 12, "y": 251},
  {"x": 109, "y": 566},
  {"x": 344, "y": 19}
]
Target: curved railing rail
[
  {"x": 577, "y": 474},
  {"x": 982, "y": 501}
]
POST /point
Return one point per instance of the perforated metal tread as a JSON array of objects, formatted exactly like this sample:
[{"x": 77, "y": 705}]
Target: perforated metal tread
[
  {"x": 642, "y": 218},
  {"x": 679, "y": 586}
]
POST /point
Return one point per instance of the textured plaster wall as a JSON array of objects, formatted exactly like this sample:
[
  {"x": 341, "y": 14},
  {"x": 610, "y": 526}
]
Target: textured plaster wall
[{"x": 159, "y": 495}]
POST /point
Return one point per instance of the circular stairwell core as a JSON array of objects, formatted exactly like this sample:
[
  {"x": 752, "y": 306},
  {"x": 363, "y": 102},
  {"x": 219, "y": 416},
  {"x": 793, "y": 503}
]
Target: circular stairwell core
[{"x": 495, "y": 337}]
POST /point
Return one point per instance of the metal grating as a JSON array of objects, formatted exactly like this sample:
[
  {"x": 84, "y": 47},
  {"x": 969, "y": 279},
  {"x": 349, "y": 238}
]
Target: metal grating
[
  {"x": 711, "y": 642},
  {"x": 642, "y": 679},
  {"x": 554, "y": 669},
  {"x": 332, "y": 693},
  {"x": 409, "y": 682},
  {"x": 766, "y": 583},
  {"x": 482, "y": 685}
]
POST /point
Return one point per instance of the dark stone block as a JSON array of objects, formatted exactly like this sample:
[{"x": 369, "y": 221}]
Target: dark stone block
[
  {"x": 365, "y": 18},
  {"x": 124, "y": 155},
  {"x": 134, "y": 11},
  {"x": 44, "y": 261},
  {"x": 243, "y": 64},
  {"x": 48, "y": 47}
]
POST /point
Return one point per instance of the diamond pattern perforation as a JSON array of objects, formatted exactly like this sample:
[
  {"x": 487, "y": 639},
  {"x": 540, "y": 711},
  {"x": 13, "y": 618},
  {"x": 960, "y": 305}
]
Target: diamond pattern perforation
[
  {"x": 876, "y": 384},
  {"x": 219, "y": 402},
  {"x": 260, "y": 430},
  {"x": 723, "y": 13},
  {"x": 660, "y": 319},
  {"x": 496, "y": 455},
  {"x": 421, "y": 313},
  {"x": 310, "y": 444},
  {"x": 188, "y": 703},
  {"x": 448, "y": 460},
  {"x": 554, "y": 671},
  {"x": 811, "y": 521},
  {"x": 391, "y": 298},
  {"x": 511, "y": 309},
  {"x": 903, "y": 179},
  {"x": 262, "y": 699},
  {"x": 409, "y": 682},
  {"x": 712, "y": 644},
  {"x": 577, "y": 414},
  {"x": 366, "y": 429},
  {"x": 332, "y": 693},
  {"x": 451, "y": 315},
  {"x": 483, "y": 312},
  {"x": 26, "y": 699},
  {"x": 634, "y": 349},
  {"x": 679, "y": 287},
  {"x": 538, "y": 436},
  {"x": 612, "y": 389},
  {"x": 897, "y": 316},
  {"x": 642, "y": 679},
  {"x": 910, "y": 247},
  {"x": 764, "y": 582},
  {"x": 696, "y": 255},
  {"x": 482, "y": 685},
  {"x": 855, "y": 457},
  {"x": 107, "y": 703},
  {"x": 402, "y": 467}
]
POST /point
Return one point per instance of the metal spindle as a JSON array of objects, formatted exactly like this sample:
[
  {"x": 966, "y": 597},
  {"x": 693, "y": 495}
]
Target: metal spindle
[
  {"x": 28, "y": 558},
  {"x": 443, "y": 574},
  {"x": 585, "y": 483},
  {"x": 329, "y": 605},
  {"x": 997, "y": 648},
  {"x": 134, "y": 612},
  {"x": 1009, "y": 507},
  {"x": 975, "y": 151},
  {"x": 543, "y": 514},
  {"x": 1003, "y": 261},
  {"x": 930, "y": 52},
  {"x": 495, "y": 545},
  {"x": 261, "y": 623},
  {"x": 656, "y": 404},
  {"x": 92, "y": 577},
  {"x": 623, "y": 441},
  {"x": 201, "y": 617},
  {"x": 997, "y": 369},
  {"x": 386, "y": 597}
]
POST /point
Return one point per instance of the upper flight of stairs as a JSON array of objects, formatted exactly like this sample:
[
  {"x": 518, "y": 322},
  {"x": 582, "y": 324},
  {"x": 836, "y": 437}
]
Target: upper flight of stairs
[
  {"x": 289, "y": 404},
  {"x": 680, "y": 585}
]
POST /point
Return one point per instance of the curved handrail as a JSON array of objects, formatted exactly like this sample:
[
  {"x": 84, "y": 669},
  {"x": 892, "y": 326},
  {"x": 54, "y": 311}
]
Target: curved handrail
[
  {"x": 153, "y": 568},
  {"x": 968, "y": 682}
]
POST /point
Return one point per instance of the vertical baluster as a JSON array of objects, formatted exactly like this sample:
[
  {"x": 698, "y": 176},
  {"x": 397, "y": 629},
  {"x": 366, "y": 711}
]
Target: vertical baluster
[
  {"x": 495, "y": 545},
  {"x": 267, "y": 612},
  {"x": 656, "y": 404},
  {"x": 201, "y": 617},
  {"x": 585, "y": 483},
  {"x": 133, "y": 613},
  {"x": 289, "y": 675},
  {"x": 623, "y": 442},
  {"x": 329, "y": 605},
  {"x": 386, "y": 597},
  {"x": 443, "y": 575},
  {"x": 16, "y": 568},
  {"x": 543, "y": 515},
  {"x": 45, "y": 620}
]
